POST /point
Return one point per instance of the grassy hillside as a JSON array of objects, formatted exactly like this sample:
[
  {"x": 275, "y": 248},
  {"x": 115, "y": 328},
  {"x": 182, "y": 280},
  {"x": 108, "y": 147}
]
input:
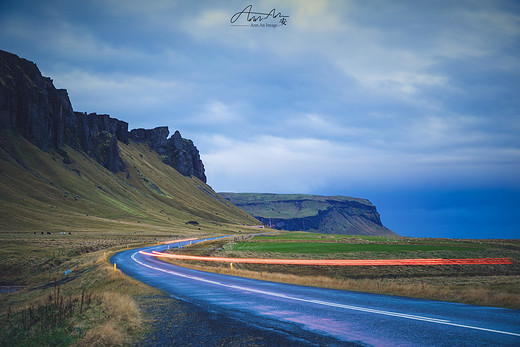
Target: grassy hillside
[{"x": 39, "y": 192}]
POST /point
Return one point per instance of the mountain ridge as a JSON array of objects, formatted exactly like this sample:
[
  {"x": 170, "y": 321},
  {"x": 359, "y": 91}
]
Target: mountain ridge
[{"x": 33, "y": 107}]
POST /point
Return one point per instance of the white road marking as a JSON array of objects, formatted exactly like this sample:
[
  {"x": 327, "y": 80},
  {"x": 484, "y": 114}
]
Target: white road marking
[{"x": 326, "y": 303}]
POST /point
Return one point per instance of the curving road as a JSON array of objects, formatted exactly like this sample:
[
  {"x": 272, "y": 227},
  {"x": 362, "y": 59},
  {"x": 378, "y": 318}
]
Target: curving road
[{"x": 304, "y": 312}]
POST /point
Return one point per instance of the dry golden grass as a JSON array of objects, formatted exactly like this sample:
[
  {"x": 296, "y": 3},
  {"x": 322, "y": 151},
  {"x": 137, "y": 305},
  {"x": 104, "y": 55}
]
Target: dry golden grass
[
  {"x": 108, "y": 334},
  {"x": 120, "y": 316},
  {"x": 121, "y": 308},
  {"x": 112, "y": 317}
]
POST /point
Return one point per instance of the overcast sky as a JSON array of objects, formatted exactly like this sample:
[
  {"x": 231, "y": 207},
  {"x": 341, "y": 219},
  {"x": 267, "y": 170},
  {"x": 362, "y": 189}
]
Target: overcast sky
[{"x": 411, "y": 104}]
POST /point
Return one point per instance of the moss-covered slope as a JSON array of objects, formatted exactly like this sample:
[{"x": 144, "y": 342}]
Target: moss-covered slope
[{"x": 67, "y": 190}]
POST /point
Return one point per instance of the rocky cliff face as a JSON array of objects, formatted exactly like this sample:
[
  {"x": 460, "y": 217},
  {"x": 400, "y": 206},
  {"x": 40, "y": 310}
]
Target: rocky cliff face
[
  {"x": 97, "y": 135},
  {"x": 323, "y": 214},
  {"x": 32, "y": 106},
  {"x": 175, "y": 151}
]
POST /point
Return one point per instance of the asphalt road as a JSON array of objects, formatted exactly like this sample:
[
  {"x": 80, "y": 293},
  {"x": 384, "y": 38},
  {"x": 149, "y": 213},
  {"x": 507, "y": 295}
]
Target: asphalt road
[{"x": 302, "y": 313}]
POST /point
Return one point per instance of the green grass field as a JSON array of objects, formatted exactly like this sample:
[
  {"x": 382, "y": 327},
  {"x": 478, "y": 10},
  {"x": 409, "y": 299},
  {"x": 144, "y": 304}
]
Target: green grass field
[
  {"x": 300, "y": 244},
  {"x": 345, "y": 248}
]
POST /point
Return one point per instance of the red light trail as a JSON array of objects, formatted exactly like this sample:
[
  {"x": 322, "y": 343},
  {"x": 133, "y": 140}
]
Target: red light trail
[{"x": 339, "y": 262}]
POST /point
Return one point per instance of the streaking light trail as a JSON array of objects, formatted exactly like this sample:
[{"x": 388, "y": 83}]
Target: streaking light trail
[{"x": 339, "y": 262}]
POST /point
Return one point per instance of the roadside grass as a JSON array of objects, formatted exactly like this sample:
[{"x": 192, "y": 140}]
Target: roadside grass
[
  {"x": 92, "y": 305},
  {"x": 27, "y": 258},
  {"x": 490, "y": 285}
]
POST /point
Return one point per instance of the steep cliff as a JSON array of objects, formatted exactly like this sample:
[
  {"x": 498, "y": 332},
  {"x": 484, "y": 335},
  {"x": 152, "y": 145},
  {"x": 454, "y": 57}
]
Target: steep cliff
[
  {"x": 30, "y": 104},
  {"x": 175, "y": 151},
  {"x": 324, "y": 214},
  {"x": 33, "y": 107},
  {"x": 97, "y": 135}
]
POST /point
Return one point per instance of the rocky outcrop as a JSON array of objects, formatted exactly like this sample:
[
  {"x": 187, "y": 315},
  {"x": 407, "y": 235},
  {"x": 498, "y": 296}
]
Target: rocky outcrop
[
  {"x": 32, "y": 106},
  {"x": 97, "y": 135},
  {"x": 184, "y": 156},
  {"x": 330, "y": 215},
  {"x": 175, "y": 151},
  {"x": 155, "y": 138}
]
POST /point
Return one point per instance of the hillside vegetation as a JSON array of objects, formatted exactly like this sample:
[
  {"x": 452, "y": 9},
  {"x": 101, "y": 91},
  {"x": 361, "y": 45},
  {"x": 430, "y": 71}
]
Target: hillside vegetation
[{"x": 39, "y": 192}]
